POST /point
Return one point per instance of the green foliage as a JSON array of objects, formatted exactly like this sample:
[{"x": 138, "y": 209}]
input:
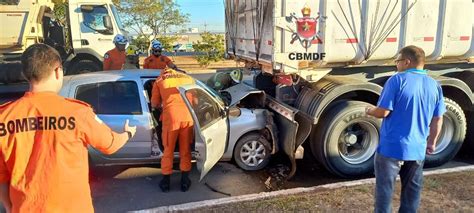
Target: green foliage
[
  {"x": 141, "y": 42},
  {"x": 60, "y": 15},
  {"x": 60, "y": 11},
  {"x": 116, "y": 2},
  {"x": 155, "y": 15},
  {"x": 167, "y": 42},
  {"x": 213, "y": 47}
]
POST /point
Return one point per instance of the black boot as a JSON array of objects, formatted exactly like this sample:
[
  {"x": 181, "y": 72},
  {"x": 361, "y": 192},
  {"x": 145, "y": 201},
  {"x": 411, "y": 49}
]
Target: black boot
[
  {"x": 185, "y": 181},
  {"x": 165, "y": 183}
]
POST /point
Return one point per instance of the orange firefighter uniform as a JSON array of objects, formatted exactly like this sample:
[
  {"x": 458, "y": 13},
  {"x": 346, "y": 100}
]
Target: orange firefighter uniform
[
  {"x": 176, "y": 118},
  {"x": 43, "y": 152},
  {"x": 114, "y": 59},
  {"x": 153, "y": 62}
]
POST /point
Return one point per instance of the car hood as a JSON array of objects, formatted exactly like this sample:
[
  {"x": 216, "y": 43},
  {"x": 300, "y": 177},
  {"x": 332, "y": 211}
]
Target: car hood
[{"x": 241, "y": 92}]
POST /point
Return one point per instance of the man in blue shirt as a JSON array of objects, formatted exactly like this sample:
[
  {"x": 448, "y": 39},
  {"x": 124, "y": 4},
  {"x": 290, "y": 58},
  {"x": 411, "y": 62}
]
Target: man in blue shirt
[{"x": 412, "y": 109}]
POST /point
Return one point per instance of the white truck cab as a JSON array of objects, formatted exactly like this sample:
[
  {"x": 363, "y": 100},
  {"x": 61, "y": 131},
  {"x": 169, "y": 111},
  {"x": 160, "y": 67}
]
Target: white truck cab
[
  {"x": 94, "y": 23},
  {"x": 82, "y": 36}
]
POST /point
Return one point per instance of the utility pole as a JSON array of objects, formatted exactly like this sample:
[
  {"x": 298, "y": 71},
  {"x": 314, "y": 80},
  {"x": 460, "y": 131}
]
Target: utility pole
[{"x": 205, "y": 27}]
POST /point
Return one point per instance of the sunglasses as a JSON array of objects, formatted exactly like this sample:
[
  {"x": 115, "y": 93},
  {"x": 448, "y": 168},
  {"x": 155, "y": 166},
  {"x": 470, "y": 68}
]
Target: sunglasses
[{"x": 401, "y": 59}]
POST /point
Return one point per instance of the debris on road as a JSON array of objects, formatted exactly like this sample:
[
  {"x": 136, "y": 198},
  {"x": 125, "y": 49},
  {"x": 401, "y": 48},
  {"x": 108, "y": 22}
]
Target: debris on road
[{"x": 277, "y": 177}]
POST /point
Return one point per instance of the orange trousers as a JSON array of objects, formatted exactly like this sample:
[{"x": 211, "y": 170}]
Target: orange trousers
[{"x": 185, "y": 136}]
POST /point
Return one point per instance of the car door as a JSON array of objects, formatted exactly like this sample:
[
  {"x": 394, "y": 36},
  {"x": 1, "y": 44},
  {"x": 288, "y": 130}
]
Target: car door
[
  {"x": 114, "y": 102},
  {"x": 210, "y": 126}
]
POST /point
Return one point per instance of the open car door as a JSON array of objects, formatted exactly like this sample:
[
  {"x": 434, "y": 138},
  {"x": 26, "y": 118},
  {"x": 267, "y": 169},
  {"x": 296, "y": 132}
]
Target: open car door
[{"x": 210, "y": 126}]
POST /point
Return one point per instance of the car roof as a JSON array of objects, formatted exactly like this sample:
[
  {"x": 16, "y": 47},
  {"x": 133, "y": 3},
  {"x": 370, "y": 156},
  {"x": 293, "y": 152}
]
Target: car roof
[{"x": 113, "y": 75}]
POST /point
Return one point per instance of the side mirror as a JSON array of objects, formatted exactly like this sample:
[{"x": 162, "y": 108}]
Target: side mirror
[
  {"x": 108, "y": 23},
  {"x": 234, "y": 111}
]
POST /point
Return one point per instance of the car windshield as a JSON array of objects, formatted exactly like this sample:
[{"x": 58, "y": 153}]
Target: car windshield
[{"x": 214, "y": 93}]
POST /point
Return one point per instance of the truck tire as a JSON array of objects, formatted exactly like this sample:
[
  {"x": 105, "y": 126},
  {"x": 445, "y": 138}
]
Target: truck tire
[
  {"x": 451, "y": 137},
  {"x": 84, "y": 66},
  {"x": 345, "y": 139},
  {"x": 10, "y": 72},
  {"x": 252, "y": 152},
  {"x": 470, "y": 134}
]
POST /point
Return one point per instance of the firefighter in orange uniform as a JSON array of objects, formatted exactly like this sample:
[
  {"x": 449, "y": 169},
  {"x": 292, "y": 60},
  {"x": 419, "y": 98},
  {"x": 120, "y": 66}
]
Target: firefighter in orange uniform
[
  {"x": 115, "y": 58},
  {"x": 177, "y": 125},
  {"x": 44, "y": 139},
  {"x": 132, "y": 58},
  {"x": 156, "y": 60}
]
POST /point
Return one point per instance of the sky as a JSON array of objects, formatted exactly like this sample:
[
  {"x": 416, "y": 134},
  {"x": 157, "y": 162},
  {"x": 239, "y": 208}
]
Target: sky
[{"x": 204, "y": 14}]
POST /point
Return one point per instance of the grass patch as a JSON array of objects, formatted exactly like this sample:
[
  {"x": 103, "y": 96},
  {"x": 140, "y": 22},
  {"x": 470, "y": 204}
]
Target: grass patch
[
  {"x": 453, "y": 192},
  {"x": 432, "y": 183}
]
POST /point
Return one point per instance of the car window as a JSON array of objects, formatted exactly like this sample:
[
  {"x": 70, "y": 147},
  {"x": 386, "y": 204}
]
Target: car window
[
  {"x": 94, "y": 18},
  {"x": 206, "y": 109},
  {"x": 121, "y": 97},
  {"x": 148, "y": 86}
]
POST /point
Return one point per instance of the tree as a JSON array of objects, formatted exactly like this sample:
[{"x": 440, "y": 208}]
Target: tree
[
  {"x": 167, "y": 42},
  {"x": 157, "y": 16},
  {"x": 141, "y": 42},
  {"x": 212, "y": 45}
]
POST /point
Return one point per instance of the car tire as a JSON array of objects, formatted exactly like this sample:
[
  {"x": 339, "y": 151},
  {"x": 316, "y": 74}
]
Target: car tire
[
  {"x": 84, "y": 66},
  {"x": 451, "y": 137},
  {"x": 252, "y": 152},
  {"x": 345, "y": 139}
]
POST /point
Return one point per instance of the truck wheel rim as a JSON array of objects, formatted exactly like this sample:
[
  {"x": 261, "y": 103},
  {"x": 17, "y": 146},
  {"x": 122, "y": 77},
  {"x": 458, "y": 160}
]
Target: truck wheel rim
[
  {"x": 446, "y": 136},
  {"x": 252, "y": 153},
  {"x": 358, "y": 142}
]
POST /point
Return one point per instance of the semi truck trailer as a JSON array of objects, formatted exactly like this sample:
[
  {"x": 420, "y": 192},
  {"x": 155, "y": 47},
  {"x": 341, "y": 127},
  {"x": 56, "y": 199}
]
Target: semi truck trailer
[{"x": 323, "y": 61}]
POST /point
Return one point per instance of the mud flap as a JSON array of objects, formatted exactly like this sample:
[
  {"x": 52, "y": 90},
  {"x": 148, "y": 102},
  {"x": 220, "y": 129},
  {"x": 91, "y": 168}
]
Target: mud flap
[
  {"x": 294, "y": 127},
  {"x": 272, "y": 130}
]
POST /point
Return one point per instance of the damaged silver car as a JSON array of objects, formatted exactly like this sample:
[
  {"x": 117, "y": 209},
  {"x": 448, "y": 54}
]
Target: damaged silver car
[{"x": 237, "y": 127}]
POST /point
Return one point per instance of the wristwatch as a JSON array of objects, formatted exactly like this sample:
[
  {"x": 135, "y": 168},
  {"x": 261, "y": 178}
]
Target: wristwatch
[{"x": 129, "y": 134}]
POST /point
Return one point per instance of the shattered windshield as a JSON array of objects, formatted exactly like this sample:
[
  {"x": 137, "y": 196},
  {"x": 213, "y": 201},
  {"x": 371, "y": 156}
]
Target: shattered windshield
[{"x": 214, "y": 93}]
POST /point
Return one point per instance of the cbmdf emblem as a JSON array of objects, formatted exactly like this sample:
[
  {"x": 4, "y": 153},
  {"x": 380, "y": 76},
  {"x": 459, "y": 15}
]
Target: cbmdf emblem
[{"x": 306, "y": 32}]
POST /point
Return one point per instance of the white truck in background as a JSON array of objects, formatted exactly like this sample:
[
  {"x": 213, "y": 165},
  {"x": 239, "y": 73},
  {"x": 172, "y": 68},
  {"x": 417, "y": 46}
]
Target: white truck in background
[
  {"x": 82, "y": 33},
  {"x": 324, "y": 61}
]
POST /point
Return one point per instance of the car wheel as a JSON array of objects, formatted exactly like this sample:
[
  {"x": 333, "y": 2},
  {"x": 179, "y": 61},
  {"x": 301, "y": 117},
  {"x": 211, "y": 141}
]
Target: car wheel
[
  {"x": 451, "y": 137},
  {"x": 345, "y": 139},
  {"x": 252, "y": 152},
  {"x": 84, "y": 66}
]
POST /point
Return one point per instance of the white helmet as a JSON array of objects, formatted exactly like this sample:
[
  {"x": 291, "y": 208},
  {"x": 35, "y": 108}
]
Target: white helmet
[
  {"x": 156, "y": 45},
  {"x": 120, "y": 39}
]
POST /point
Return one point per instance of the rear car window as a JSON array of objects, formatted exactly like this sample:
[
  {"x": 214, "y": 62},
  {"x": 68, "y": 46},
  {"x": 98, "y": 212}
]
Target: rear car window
[{"x": 121, "y": 97}]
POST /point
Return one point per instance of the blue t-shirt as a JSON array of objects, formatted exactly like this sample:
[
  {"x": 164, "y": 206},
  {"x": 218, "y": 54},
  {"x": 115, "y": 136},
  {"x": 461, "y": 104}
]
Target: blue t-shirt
[{"x": 414, "y": 99}]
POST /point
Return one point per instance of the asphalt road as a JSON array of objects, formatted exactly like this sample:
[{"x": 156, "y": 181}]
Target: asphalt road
[
  {"x": 122, "y": 189},
  {"x": 128, "y": 188}
]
